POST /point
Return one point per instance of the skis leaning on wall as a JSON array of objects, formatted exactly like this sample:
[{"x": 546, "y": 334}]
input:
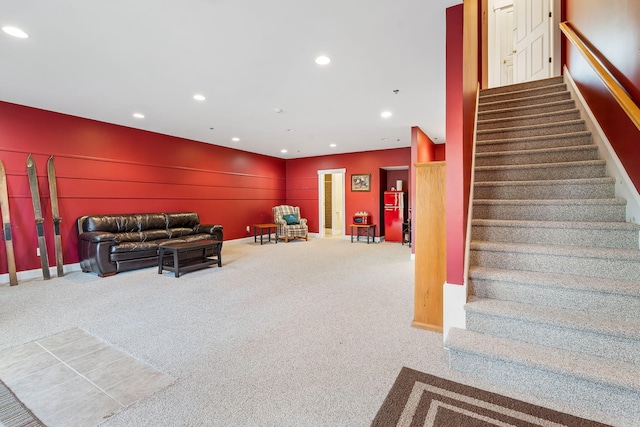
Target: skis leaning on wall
[
  {"x": 6, "y": 224},
  {"x": 53, "y": 192},
  {"x": 35, "y": 198}
]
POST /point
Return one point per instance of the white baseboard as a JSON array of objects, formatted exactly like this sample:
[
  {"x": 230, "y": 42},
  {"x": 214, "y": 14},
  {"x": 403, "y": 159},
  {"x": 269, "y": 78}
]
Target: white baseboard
[
  {"x": 37, "y": 273},
  {"x": 454, "y": 299}
]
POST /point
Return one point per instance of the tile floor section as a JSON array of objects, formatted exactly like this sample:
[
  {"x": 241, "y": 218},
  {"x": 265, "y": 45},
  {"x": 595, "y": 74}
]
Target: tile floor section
[{"x": 75, "y": 379}]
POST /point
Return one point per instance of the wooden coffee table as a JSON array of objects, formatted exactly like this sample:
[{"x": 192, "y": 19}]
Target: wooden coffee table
[
  {"x": 177, "y": 248},
  {"x": 261, "y": 228}
]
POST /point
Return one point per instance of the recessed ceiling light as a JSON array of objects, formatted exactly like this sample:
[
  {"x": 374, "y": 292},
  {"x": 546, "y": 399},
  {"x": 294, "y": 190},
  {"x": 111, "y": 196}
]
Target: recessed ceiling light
[
  {"x": 138, "y": 115},
  {"x": 385, "y": 114},
  {"x": 383, "y": 139},
  {"x": 291, "y": 130},
  {"x": 283, "y": 151},
  {"x": 15, "y": 32},
  {"x": 199, "y": 97},
  {"x": 235, "y": 139},
  {"x": 323, "y": 60},
  {"x": 278, "y": 110},
  {"x": 332, "y": 145}
]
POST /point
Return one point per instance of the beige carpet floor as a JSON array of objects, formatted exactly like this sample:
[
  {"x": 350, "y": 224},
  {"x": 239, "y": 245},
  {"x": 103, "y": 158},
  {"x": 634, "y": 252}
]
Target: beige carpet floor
[{"x": 299, "y": 334}]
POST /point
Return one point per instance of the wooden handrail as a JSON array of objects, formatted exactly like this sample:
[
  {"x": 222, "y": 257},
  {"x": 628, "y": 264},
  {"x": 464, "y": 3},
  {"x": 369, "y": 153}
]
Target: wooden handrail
[{"x": 618, "y": 92}]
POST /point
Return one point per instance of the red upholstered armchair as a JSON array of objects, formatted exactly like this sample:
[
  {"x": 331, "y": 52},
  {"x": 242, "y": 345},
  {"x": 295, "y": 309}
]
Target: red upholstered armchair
[{"x": 290, "y": 225}]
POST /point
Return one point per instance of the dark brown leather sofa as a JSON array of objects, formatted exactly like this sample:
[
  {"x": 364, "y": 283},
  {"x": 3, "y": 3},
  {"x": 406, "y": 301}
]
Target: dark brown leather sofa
[{"x": 109, "y": 244}]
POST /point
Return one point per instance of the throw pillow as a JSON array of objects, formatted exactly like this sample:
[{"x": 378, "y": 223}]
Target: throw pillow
[{"x": 291, "y": 219}]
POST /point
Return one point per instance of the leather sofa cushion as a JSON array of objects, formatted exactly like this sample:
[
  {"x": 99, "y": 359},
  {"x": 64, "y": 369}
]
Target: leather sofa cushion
[
  {"x": 135, "y": 246},
  {"x": 125, "y": 223},
  {"x": 142, "y": 236},
  {"x": 179, "y": 232},
  {"x": 182, "y": 220}
]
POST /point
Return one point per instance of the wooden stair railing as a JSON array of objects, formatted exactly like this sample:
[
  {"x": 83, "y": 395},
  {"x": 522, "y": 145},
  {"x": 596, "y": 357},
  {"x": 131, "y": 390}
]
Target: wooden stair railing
[{"x": 616, "y": 89}]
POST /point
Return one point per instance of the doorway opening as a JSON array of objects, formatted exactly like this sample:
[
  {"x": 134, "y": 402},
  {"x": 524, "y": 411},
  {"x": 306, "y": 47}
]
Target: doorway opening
[
  {"x": 331, "y": 203},
  {"x": 523, "y": 41}
]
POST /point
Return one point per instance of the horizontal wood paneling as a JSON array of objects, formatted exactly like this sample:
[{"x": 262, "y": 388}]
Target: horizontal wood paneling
[{"x": 104, "y": 168}]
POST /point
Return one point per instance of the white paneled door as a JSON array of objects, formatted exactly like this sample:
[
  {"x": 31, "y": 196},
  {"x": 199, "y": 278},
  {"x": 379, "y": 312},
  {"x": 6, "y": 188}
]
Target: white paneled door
[{"x": 531, "y": 38}]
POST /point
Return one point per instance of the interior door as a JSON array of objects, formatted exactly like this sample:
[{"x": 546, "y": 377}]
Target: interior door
[
  {"x": 504, "y": 24},
  {"x": 531, "y": 37},
  {"x": 338, "y": 221}
]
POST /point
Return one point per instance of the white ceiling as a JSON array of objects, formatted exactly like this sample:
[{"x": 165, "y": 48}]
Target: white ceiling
[{"x": 105, "y": 60}]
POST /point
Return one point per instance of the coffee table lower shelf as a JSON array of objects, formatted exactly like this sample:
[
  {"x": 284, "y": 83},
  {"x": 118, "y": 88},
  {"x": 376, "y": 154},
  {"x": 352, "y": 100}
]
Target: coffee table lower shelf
[{"x": 179, "y": 267}]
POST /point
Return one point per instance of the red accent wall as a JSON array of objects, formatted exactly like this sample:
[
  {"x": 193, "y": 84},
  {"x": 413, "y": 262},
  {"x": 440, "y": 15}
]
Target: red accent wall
[
  {"x": 612, "y": 28},
  {"x": 105, "y": 168},
  {"x": 302, "y": 181},
  {"x": 462, "y": 58}
]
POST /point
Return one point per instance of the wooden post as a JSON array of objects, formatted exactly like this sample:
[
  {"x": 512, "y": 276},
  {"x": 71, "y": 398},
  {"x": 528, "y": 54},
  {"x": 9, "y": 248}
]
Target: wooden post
[{"x": 430, "y": 245}]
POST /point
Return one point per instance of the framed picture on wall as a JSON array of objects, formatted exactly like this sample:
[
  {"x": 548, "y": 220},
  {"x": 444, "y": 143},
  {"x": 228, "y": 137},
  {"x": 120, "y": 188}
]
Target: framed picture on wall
[{"x": 361, "y": 182}]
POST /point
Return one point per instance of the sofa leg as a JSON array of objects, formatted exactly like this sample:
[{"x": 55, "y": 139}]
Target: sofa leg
[{"x": 286, "y": 239}]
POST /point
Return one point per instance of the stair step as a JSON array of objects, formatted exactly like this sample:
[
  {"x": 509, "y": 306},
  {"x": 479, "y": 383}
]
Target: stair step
[
  {"x": 532, "y": 130},
  {"x": 588, "y": 188},
  {"x": 523, "y": 86},
  {"x": 522, "y": 102},
  {"x": 536, "y": 142},
  {"x": 590, "y": 333},
  {"x": 545, "y": 155},
  {"x": 527, "y": 110},
  {"x": 620, "y": 235},
  {"x": 607, "y": 385},
  {"x": 523, "y": 93},
  {"x": 529, "y": 120},
  {"x": 549, "y": 171},
  {"x": 552, "y": 210},
  {"x": 593, "y": 262},
  {"x": 562, "y": 291}
]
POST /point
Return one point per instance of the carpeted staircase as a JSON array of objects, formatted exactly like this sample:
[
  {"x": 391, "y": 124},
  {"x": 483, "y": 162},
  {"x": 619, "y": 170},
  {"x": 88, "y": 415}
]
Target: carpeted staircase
[{"x": 554, "y": 268}]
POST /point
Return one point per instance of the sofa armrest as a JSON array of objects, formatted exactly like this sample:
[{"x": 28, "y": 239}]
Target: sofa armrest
[
  {"x": 303, "y": 221},
  {"x": 98, "y": 236},
  {"x": 214, "y": 229},
  {"x": 95, "y": 254}
]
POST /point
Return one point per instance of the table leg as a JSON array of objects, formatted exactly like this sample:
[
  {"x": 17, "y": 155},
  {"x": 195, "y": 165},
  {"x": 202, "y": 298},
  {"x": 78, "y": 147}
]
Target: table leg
[
  {"x": 160, "y": 257},
  {"x": 255, "y": 239},
  {"x": 219, "y": 254},
  {"x": 175, "y": 263},
  {"x": 352, "y": 234}
]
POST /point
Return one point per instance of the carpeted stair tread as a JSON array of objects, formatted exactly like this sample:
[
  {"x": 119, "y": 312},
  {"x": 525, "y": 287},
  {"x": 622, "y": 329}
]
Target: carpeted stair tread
[
  {"x": 550, "y": 202},
  {"x": 593, "y": 225},
  {"x": 547, "y": 182},
  {"x": 559, "y": 250},
  {"x": 601, "y": 370},
  {"x": 555, "y": 140},
  {"x": 546, "y": 189},
  {"x": 522, "y": 93},
  {"x": 557, "y": 280},
  {"x": 571, "y": 319},
  {"x": 522, "y": 86},
  {"x": 542, "y": 231},
  {"x": 542, "y": 171},
  {"x": 557, "y": 151},
  {"x": 530, "y": 119},
  {"x": 533, "y": 130},
  {"x": 527, "y": 110},
  {"x": 616, "y": 297},
  {"x": 521, "y": 102}
]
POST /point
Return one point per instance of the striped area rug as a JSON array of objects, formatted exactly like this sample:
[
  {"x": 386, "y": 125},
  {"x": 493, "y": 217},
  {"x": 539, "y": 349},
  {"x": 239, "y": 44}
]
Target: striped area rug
[
  {"x": 13, "y": 413},
  {"x": 419, "y": 399}
]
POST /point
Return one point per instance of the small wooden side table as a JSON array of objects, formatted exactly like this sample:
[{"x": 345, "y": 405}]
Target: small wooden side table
[
  {"x": 261, "y": 228},
  {"x": 370, "y": 230}
]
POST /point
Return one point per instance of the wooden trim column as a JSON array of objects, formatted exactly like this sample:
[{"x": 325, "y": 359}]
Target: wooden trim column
[{"x": 430, "y": 245}]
